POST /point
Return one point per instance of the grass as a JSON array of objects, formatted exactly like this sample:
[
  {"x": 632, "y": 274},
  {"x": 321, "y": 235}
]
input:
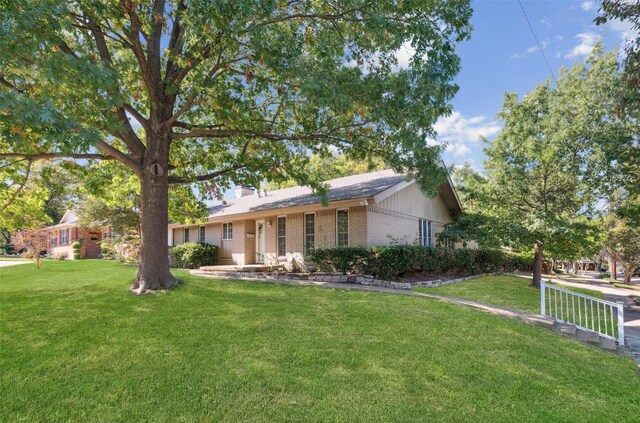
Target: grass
[
  {"x": 501, "y": 290},
  {"x": 77, "y": 346}
]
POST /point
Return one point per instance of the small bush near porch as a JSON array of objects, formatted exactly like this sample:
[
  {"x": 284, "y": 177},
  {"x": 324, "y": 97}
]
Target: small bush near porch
[
  {"x": 192, "y": 255},
  {"x": 77, "y": 346}
]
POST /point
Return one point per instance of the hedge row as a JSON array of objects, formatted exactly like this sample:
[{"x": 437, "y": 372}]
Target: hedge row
[
  {"x": 392, "y": 262},
  {"x": 192, "y": 255}
]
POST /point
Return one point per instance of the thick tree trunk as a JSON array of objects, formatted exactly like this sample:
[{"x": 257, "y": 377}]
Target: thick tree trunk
[
  {"x": 537, "y": 264},
  {"x": 153, "y": 273},
  {"x": 614, "y": 269},
  {"x": 628, "y": 273}
]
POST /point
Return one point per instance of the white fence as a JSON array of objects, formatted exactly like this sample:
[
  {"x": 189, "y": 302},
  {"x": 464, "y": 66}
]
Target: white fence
[{"x": 589, "y": 313}]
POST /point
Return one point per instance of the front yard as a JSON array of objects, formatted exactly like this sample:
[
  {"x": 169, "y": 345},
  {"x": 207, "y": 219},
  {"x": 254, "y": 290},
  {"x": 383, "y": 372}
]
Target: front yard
[{"x": 77, "y": 346}]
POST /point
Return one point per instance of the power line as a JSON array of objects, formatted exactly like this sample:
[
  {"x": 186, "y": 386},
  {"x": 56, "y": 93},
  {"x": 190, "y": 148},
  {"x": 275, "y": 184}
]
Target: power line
[{"x": 544, "y": 56}]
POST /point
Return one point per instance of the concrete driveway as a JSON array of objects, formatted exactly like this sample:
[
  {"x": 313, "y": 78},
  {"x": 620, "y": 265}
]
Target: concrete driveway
[{"x": 5, "y": 263}]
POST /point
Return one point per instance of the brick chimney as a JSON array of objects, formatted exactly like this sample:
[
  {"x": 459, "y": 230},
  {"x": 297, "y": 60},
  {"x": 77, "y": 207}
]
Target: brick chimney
[{"x": 244, "y": 190}]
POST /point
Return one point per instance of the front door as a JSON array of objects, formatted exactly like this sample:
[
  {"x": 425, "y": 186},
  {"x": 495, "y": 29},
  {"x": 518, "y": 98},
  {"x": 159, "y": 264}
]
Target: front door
[{"x": 260, "y": 241}]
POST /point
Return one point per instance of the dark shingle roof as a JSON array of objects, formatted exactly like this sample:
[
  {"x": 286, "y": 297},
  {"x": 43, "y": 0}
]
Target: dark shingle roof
[{"x": 350, "y": 187}]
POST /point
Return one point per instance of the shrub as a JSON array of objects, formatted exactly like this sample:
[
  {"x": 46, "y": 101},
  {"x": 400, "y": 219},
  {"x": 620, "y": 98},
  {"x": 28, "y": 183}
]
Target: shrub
[
  {"x": 128, "y": 249},
  {"x": 518, "y": 261},
  {"x": 191, "y": 255},
  {"x": 489, "y": 260},
  {"x": 340, "y": 259},
  {"x": 7, "y": 249},
  {"x": 60, "y": 256},
  {"x": 107, "y": 251},
  {"x": 392, "y": 262},
  {"x": 77, "y": 249}
]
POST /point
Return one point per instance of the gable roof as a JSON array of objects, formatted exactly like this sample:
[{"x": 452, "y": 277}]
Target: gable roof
[
  {"x": 353, "y": 187},
  {"x": 69, "y": 218}
]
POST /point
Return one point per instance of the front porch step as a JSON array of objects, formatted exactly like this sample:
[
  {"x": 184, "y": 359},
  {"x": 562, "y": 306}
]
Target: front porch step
[{"x": 236, "y": 268}]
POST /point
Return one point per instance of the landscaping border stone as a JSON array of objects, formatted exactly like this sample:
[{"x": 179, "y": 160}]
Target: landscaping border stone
[{"x": 366, "y": 280}]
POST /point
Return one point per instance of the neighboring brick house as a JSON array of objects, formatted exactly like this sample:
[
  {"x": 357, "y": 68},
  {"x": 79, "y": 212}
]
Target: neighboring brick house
[
  {"x": 378, "y": 208},
  {"x": 62, "y": 235}
]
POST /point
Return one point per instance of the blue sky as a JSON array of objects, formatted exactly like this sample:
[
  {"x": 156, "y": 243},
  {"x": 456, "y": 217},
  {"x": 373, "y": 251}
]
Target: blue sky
[{"x": 502, "y": 56}]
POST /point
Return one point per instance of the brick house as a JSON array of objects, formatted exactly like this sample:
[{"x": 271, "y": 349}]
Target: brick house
[
  {"x": 377, "y": 208},
  {"x": 62, "y": 235}
]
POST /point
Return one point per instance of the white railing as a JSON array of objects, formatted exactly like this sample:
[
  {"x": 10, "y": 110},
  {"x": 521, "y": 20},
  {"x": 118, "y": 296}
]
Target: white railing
[{"x": 588, "y": 313}]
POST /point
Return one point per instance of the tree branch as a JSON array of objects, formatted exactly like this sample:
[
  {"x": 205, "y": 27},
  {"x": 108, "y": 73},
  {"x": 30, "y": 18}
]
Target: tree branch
[
  {"x": 201, "y": 178},
  {"x": 138, "y": 51},
  {"x": 49, "y": 156},
  {"x": 129, "y": 136},
  {"x": 302, "y": 16},
  {"x": 117, "y": 154},
  {"x": 209, "y": 176},
  {"x": 194, "y": 95},
  {"x": 20, "y": 188},
  {"x": 153, "y": 44},
  {"x": 176, "y": 42}
]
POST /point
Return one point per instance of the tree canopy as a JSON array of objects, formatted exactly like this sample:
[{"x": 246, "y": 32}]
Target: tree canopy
[
  {"x": 561, "y": 153},
  {"x": 629, "y": 12},
  {"x": 214, "y": 93},
  {"x": 325, "y": 167}
]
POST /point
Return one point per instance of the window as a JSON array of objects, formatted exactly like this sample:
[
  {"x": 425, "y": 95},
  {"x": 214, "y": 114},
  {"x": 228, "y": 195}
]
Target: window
[
  {"x": 309, "y": 232},
  {"x": 425, "y": 233},
  {"x": 227, "y": 231},
  {"x": 342, "y": 225},
  {"x": 282, "y": 236},
  {"x": 64, "y": 236},
  {"x": 202, "y": 233},
  {"x": 186, "y": 234},
  {"x": 54, "y": 240}
]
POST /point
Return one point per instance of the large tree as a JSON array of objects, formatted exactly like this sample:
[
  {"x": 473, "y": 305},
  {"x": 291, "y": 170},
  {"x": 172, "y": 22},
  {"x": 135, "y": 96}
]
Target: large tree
[
  {"x": 552, "y": 160},
  {"x": 225, "y": 91}
]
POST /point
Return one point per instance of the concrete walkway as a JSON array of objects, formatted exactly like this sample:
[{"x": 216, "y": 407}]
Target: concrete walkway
[{"x": 5, "y": 263}]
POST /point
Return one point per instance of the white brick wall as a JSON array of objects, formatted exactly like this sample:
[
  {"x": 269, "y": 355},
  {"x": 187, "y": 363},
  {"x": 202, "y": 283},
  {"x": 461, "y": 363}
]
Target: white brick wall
[{"x": 387, "y": 228}]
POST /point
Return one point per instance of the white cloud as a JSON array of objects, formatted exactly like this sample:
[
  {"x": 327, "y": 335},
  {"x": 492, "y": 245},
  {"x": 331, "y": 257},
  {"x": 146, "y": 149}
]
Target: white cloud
[
  {"x": 544, "y": 44},
  {"x": 458, "y": 149},
  {"x": 546, "y": 22},
  {"x": 587, "y": 42},
  {"x": 626, "y": 32},
  {"x": 587, "y": 5},
  {"x": 404, "y": 55},
  {"x": 458, "y": 129},
  {"x": 461, "y": 134}
]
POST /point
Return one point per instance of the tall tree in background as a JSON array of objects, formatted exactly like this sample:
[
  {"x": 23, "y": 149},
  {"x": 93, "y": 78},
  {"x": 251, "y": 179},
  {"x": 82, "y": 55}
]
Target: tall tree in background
[
  {"x": 627, "y": 11},
  {"x": 550, "y": 164},
  {"x": 622, "y": 241},
  {"x": 227, "y": 91}
]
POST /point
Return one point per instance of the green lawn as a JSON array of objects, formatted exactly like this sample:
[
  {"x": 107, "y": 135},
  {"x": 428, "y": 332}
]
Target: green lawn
[
  {"x": 77, "y": 346},
  {"x": 501, "y": 290}
]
